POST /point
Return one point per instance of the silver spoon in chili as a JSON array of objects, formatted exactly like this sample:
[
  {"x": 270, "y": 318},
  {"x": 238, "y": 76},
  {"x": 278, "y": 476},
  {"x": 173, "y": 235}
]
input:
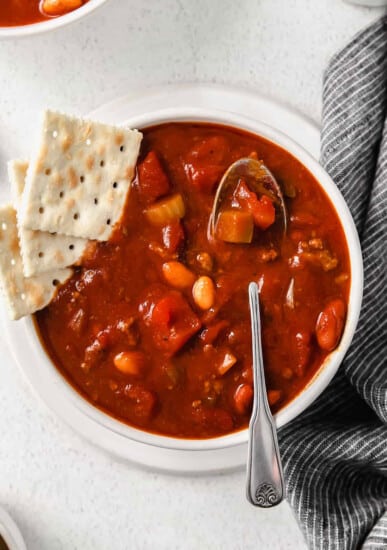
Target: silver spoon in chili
[
  {"x": 258, "y": 178},
  {"x": 265, "y": 484}
]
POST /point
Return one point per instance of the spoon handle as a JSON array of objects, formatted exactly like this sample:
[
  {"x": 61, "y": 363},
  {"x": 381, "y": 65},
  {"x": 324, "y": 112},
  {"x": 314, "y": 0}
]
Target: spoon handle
[{"x": 265, "y": 483}]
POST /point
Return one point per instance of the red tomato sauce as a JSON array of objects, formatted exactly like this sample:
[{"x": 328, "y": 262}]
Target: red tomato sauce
[
  {"x": 133, "y": 330},
  {"x": 24, "y": 12}
]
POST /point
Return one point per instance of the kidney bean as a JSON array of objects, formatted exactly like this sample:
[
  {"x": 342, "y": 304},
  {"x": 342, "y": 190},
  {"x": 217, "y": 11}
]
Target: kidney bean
[
  {"x": 330, "y": 324},
  {"x": 243, "y": 398}
]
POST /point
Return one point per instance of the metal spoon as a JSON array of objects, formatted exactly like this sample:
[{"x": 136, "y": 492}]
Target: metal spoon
[
  {"x": 258, "y": 178},
  {"x": 265, "y": 483}
]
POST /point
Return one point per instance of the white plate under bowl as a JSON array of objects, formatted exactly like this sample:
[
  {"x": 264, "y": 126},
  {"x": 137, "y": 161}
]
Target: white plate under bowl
[
  {"x": 10, "y": 532},
  {"x": 194, "y": 102}
]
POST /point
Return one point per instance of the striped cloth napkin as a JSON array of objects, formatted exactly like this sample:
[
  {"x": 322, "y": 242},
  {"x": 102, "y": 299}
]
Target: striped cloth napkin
[{"x": 335, "y": 454}]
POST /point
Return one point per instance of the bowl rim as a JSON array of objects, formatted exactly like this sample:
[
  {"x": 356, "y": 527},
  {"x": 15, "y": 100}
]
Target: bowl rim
[
  {"x": 20, "y": 31},
  {"x": 10, "y": 531},
  {"x": 331, "y": 364}
]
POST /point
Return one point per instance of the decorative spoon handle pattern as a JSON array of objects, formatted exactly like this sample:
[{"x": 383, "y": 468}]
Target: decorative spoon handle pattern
[{"x": 265, "y": 483}]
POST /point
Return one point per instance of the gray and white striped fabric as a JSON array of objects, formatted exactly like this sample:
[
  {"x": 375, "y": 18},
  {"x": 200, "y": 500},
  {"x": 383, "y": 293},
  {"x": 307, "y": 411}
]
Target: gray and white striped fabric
[{"x": 335, "y": 454}]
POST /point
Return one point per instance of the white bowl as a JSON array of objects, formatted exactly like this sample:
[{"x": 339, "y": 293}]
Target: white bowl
[
  {"x": 51, "y": 24},
  {"x": 10, "y": 532},
  {"x": 46, "y": 373}
]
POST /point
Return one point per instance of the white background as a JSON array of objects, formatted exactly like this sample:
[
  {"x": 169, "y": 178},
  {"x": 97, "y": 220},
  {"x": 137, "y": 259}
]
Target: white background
[{"x": 63, "y": 493}]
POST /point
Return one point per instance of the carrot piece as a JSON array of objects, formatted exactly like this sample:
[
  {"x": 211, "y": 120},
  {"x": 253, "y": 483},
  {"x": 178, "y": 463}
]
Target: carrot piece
[{"x": 234, "y": 226}]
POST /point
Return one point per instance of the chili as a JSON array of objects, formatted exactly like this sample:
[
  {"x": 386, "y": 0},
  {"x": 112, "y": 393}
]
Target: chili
[{"x": 154, "y": 327}]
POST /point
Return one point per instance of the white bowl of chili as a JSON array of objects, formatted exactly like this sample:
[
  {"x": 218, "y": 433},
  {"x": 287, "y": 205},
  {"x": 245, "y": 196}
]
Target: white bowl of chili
[
  {"x": 104, "y": 423},
  {"x": 25, "y": 19}
]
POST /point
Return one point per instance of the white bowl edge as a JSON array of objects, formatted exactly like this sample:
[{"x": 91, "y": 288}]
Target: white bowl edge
[
  {"x": 330, "y": 365},
  {"x": 21, "y": 31}
]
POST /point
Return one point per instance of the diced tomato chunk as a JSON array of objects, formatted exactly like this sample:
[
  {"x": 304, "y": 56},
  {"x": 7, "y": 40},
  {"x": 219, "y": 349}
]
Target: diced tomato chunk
[
  {"x": 264, "y": 212},
  {"x": 206, "y": 163},
  {"x": 152, "y": 180},
  {"x": 173, "y": 236},
  {"x": 213, "y": 150},
  {"x": 173, "y": 322},
  {"x": 162, "y": 313},
  {"x": 262, "y": 209},
  {"x": 242, "y": 194},
  {"x": 203, "y": 178}
]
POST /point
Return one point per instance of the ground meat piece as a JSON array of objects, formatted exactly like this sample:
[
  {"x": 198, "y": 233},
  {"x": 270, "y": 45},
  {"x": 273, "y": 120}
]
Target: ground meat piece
[
  {"x": 92, "y": 355},
  {"x": 267, "y": 254},
  {"x": 129, "y": 328},
  {"x": 205, "y": 261}
]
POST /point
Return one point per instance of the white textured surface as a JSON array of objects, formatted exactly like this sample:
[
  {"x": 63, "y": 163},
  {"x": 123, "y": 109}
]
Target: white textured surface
[{"x": 63, "y": 493}]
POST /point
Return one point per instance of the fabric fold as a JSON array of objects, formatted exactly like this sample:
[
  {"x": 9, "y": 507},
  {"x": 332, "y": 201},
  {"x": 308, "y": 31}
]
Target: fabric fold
[{"x": 335, "y": 454}]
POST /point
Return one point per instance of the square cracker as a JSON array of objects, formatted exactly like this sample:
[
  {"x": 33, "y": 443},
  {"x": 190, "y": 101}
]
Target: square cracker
[
  {"x": 78, "y": 179},
  {"x": 40, "y": 250},
  {"x": 23, "y": 295}
]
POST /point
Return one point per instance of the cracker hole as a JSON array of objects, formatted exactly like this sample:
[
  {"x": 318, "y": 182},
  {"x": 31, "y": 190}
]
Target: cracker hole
[
  {"x": 61, "y": 195},
  {"x": 13, "y": 262},
  {"x": 115, "y": 185},
  {"x": 22, "y": 296},
  {"x": 76, "y": 216},
  {"x": 41, "y": 210},
  {"x": 95, "y": 200},
  {"x": 55, "y": 282},
  {"x": 108, "y": 221},
  {"x": 82, "y": 179},
  {"x": 88, "y": 141},
  {"x": 41, "y": 254},
  {"x": 47, "y": 171},
  {"x": 4, "y": 226},
  {"x": 54, "y": 134},
  {"x": 122, "y": 148},
  {"x": 102, "y": 163},
  {"x": 71, "y": 247}
]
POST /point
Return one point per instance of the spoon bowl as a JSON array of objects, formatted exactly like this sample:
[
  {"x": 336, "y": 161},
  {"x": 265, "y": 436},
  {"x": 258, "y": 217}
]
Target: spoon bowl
[{"x": 258, "y": 178}]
